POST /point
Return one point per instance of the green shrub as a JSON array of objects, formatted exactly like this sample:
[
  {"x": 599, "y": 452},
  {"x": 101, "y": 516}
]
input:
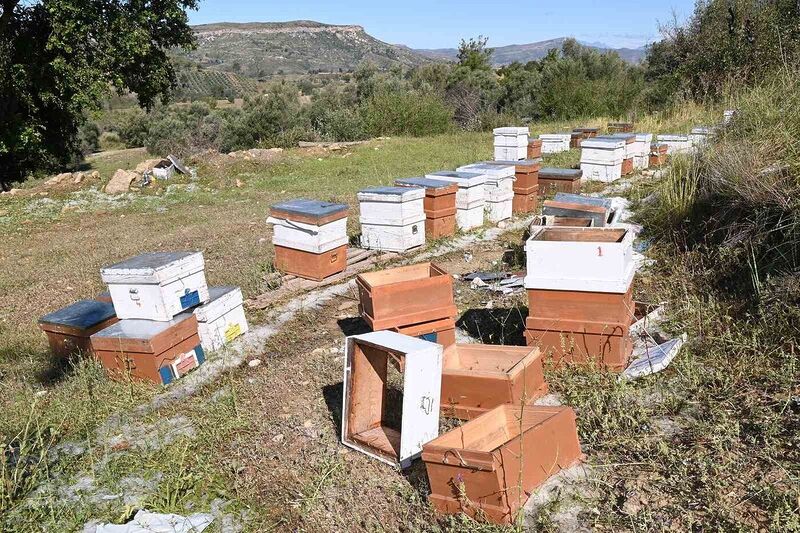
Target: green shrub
[
  {"x": 341, "y": 124},
  {"x": 406, "y": 113}
]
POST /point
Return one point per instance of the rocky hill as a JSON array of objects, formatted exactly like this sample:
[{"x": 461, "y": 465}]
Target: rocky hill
[{"x": 264, "y": 49}]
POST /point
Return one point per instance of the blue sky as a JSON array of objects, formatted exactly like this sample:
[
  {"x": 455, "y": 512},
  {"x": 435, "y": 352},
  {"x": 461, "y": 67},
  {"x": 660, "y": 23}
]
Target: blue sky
[{"x": 441, "y": 24}]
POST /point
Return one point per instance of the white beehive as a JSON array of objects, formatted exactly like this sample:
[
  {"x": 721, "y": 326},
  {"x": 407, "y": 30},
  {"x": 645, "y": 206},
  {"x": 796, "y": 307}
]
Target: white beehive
[
  {"x": 221, "y": 319},
  {"x": 499, "y": 178},
  {"x": 307, "y": 225},
  {"x": 157, "y": 285},
  {"x": 553, "y": 143},
  {"x": 580, "y": 259},
  {"x": 470, "y": 198},
  {"x": 510, "y": 153},
  {"x": 728, "y": 115},
  {"x": 699, "y": 136},
  {"x": 641, "y": 158},
  {"x": 499, "y": 205},
  {"x": 516, "y": 137},
  {"x": 676, "y": 143},
  {"x": 601, "y": 158},
  {"x": 392, "y": 218},
  {"x": 366, "y": 422}
]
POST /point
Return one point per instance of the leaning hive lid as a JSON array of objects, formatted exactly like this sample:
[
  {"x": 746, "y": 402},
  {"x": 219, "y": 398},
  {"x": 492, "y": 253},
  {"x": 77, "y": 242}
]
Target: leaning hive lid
[
  {"x": 84, "y": 314},
  {"x": 427, "y": 183}
]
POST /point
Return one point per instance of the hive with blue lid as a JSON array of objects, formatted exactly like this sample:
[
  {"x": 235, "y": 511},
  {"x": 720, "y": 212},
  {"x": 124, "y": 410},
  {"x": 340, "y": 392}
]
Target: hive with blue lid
[
  {"x": 222, "y": 318},
  {"x": 156, "y": 351},
  {"x": 439, "y": 205},
  {"x": 392, "y": 218},
  {"x": 470, "y": 198},
  {"x": 309, "y": 237},
  {"x": 156, "y": 285},
  {"x": 69, "y": 329}
]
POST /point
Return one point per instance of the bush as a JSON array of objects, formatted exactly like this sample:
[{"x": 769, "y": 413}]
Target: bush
[
  {"x": 406, "y": 113},
  {"x": 340, "y": 125}
]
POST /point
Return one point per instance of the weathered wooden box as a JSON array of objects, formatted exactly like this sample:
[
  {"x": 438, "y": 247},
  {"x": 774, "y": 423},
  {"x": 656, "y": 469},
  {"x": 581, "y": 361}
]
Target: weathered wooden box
[
  {"x": 580, "y": 259},
  {"x": 442, "y": 331},
  {"x": 552, "y": 180},
  {"x": 525, "y": 203},
  {"x": 620, "y": 127},
  {"x": 491, "y": 465},
  {"x": 149, "y": 350},
  {"x": 374, "y": 420},
  {"x": 526, "y": 173},
  {"x": 157, "y": 285},
  {"x": 440, "y": 196},
  {"x": 392, "y": 218},
  {"x": 440, "y": 227},
  {"x": 658, "y": 155},
  {"x": 479, "y": 377},
  {"x": 587, "y": 133},
  {"x": 534, "y": 149},
  {"x": 69, "y": 329},
  {"x": 310, "y": 265},
  {"x": 405, "y": 295},
  {"x": 222, "y": 318}
]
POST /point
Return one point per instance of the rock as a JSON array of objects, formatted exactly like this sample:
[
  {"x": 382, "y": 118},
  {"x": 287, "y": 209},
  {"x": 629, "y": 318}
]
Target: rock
[
  {"x": 239, "y": 183},
  {"x": 120, "y": 181},
  {"x": 254, "y": 363},
  {"x": 146, "y": 165},
  {"x": 55, "y": 180},
  {"x": 79, "y": 177},
  {"x": 94, "y": 175},
  {"x": 278, "y": 438},
  {"x": 502, "y": 224}
]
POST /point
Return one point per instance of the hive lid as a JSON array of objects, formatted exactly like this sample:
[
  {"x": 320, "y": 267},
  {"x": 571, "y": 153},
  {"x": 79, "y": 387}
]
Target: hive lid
[
  {"x": 603, "y": 143},
  {"x": 391, "y": 193},
  {"x": 582, "y": 199},
  {"x": 494, "y": 171},
  {"x": 644, "y": 137},
  {"x": 464, "y": 179},
  {"x": 627, "y": 137},
  {"x": 153, "y": 267},
  {"x": 510, "y": 130},
  {"x": 673, "y": 137},
  {"x": 556, "y": 136},
  {"x": 520, "y": 163},
  {"x": 83, "y": 314},
  {"x": 304, "y": 210},
  {"x": 221, "y": 300},
  {"x": 586, "y": 130},
  {"x": 428, "y": 183},
  {"x": 560, "y": 173}
]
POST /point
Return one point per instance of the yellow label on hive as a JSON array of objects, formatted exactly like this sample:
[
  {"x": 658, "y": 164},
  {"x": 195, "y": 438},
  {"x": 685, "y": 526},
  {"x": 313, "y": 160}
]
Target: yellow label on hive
[{"x": 233, "y": 331}]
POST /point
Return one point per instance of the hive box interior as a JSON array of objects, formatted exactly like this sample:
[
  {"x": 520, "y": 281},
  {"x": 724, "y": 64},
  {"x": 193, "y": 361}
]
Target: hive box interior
[{"x": 582, "y": 235}]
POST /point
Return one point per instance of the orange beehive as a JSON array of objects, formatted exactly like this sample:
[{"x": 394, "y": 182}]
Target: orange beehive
[
  {"x": 69, "y": 329},
  {"x": 627, "y": 166},
  {"x": 658, "y": 155},
  {"x": 490, "y": 466},
  {"x": 479, "y": 377},
  {"x": 534, "y": 148},
  {"x": 309, "y": 265},
  {"x": 439, "y": 205},
  {"x": 525, "y": 202},
  {"x": 553, "y": 180},
  {"x": 405, "y": 295},
  {"x": 441, "y": 331}
]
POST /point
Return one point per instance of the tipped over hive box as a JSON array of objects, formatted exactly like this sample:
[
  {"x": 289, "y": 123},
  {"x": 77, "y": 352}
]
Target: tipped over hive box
[
  {"x": 310, "y": 237},
  {"x": 221, "y": 319},
  {"x": 479, "y": 377},
  {"x": 470, "y": 198},
  {"x": 376, "y": 422},
  {"x": 157, "y": 285},
  {"x": 69, "y": 329},
  {"x": 392, "y": 218},
  {"x": 150, "y": 350},
  {"x": 406, "y": 295},
  {"x": 491, "y": 465},
  {"x": 439, "y": 204},
  {"x": 553, "y": 180}
]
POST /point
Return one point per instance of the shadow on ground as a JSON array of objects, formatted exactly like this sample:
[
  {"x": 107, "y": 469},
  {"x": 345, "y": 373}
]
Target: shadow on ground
[{"x": 495, "y": 326}]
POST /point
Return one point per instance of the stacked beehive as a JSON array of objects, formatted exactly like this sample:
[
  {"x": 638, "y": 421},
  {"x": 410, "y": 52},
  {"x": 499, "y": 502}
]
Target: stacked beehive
[
  {"x": 552, "y": 180},
  {"x": 658, "y": 154},
  {"x": 499, "y": 188},
  {"x": 156, "y": 296},
  {"x": 602, "y": 158},
  {"x": 440, "y": 205},
  {"x": 554, "y": 143},
  {"x": 586, "y": 133},
  {"x": 470, "y": 198},
  {"x": 526, "y": 184},
  {"x": 310, "y": 237},
  {"x": 641, "y": 157},
  {"x": 579, "y": 283},
  {"x": 392, "y": 218},
  {"x": 677, "y": 143},
  {"x": 511, "y": 143},
  {"x": 630, "y": 150}
]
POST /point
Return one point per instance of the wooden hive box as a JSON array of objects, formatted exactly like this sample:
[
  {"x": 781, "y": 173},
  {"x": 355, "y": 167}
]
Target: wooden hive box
[
  {"x": 620, "y": 127},
  {"x": 440, "y": 196},
  {"x": 658, "y": 155},
  {"x": 406, "y": 295},
  {"x": 470, "y": 198},
  {"x": 157, "y": 285},
  {"x": 491, "y": 465},
  {"x": 526, "y": 174},
  {"x": 442, "y": 331},
  {"x": 576, "y": 139},
  {"x": 159, "y": 352},
  {"x": 552, "y": 180},
  {"x": 69, "y": 329},
  {"x": 310, "y": 237},
  {"x": 376, "y": 422},
  {"x": 525, "y": 202},
  {"x": 587, "y": 133},
  {"x": 534, "y": 149},
  {"x": 479, "y": 377},
  {"x": 556, "y": 208}
]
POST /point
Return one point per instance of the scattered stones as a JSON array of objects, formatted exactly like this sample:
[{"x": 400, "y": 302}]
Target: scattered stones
[
  {"x": 120, "y": 181},
  {"x": 58, "y": 178},
  {"x": 278, "y": 438},
  {"x": 254, "y": 363}
]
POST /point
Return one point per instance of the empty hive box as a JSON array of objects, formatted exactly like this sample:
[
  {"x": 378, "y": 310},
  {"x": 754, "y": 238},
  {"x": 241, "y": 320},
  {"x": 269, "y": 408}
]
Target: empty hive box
[
  {"x": 499, "y": 188},
  {"x": 222, "y": 318},
  {"x": 479, "y": 377},
  {"x": 597, "y": 214},
  {"x": 554, "y": 143},
  {"x": 491, "y": 465},
  {"x": 310, "y": 238},
  {"x": 158, "y": 285},
  {"x": 69, "y": 329},
  {"x": 552, "y": 180},
  {"x": 580, "y": 302},
  {"x": 440, "y": 205},
  {"x": 375, "y": 419},
  {"x": 602, "y": 158},
  {"x": 534, "y": 148},
  {"x": 392, "y": 218},
  {"x": 441, "y": 331},
  {"x": 405, "y": 296},
  {"x": 510, "y": 143},
  {"x": 470, "y": 198},
  {"x": 159, "y": 352}
]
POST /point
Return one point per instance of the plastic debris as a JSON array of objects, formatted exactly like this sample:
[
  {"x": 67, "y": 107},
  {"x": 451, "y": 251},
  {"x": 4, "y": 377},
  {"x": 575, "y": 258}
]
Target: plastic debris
[
  {"x": 147, "y": 522},
  {"x": 653, "y": 359}
]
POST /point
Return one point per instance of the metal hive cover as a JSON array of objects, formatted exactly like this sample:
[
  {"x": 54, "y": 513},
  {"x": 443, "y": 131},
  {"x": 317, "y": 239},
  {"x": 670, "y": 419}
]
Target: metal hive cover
[
  {"x": 456, "y": 174},
  {"x": 581, "y": 199},
  {"x": 151, "y": 260},
  {"x": 398, "y": 191},
  {"x": 561, "y": 172},
  {"x": 521, "y": 162},
  {"x": 219, "y": 291},
  {"x": 314, "y": 208},
  {"x": 83, "y": 314},
  {"x": 427, "y": 183}
]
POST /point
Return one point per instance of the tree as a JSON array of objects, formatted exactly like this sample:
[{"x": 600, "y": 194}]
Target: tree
[{"x": 58, "y": 58}]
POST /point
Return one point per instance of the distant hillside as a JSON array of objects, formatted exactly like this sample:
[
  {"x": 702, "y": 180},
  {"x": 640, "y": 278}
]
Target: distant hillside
[
  {"x": 264, "y": 49},
  {"x": 196, "y": 83},
  {"x": 503, "y": 55}
]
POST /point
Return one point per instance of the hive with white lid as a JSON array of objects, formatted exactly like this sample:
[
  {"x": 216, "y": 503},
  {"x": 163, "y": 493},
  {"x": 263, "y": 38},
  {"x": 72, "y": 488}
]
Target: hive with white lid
[
  {"x": 641, "y": 157},
  {"x": 553, "y": 143},
  {"x": 700, "y": 135},
  {"x": 470, "y": 198},
  {"x": 440, "y": 205},
  {"x": 510, "y": 143},
  {"x": 156, "y": 285},
  {"x": 392, "y": 218},
  {"x": 221, "y": 319},
  {"x": 602, "y": 157},
  {"x": 310, "y": 237},
  {"x": 677, "y": 143},
  {"x": 499, "y": 188}
]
